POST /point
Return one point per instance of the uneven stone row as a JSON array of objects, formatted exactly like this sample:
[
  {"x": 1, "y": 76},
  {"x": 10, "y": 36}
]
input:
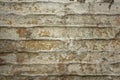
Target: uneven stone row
[
  {"x": 66, "y": 57},
  {"x": 52, "y": 20},
  {"x": 60, "y": 69},
  {"x": 69, "y": 77},
  {"x": 56, "y": 45},
  {"x": 61, "y": 1},
  {"x": 25, "y": 8},
  {"x": 59, "y": 33}
]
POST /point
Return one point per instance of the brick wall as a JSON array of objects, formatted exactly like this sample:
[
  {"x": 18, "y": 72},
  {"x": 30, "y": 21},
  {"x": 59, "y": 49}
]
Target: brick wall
[{"x": 59, "y": 39}]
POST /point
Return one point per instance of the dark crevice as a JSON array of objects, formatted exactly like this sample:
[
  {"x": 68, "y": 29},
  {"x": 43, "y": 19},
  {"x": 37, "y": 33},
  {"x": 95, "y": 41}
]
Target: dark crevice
[
  {"x": 81, "y": 1},
  {"x": 117, "y": 35},
  {"x": 111, "y": 3}
]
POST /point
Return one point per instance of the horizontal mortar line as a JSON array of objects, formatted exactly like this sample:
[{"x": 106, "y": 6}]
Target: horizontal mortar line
[
  {"x": 60, "y": 39},
  {"x": 55, "y": 14},
  {"x": 59, "y": 52},
  {"x": 70, "y": 2},
  {"x": 80, "y": 75},
  {"x": 31, "y": 40},
  {"x": 63, "y": 75},
  {"x": 115, "y": 51},
  {"x": 82, "y": 14},
  {"x": 35, "y": 64},
  {"x": 45, "y": 51},
  {"x": 33, "y": 2},
  {"x": 94, "y": 14},
  {"x": 19, "y": 52},
  {"x": 54, "y": 63},
  {"x": 67, "y": 50},
  {"x": 65, "y": 26},
  {"x": 28, "y": 14},
  {"x": 50, "y": 63},
  {"x": 37, "y": 52}
]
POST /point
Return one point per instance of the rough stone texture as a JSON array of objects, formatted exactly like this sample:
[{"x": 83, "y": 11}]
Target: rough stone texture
[{"x": 59, "y": 40}]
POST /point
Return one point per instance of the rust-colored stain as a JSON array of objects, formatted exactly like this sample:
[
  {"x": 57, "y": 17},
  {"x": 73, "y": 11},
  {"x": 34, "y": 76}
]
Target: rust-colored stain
[
  {"x": 10, "y": 22},
  {"x": 7, "y": 46},
  {"x": 36, "y": 8},
  {"x": 33, "y": 21},
  {"x": 18, "y": 6},
  {"x": 117, "y": 20},
  {"x": 44, "y": 34},
  {"x": 1, "y": 60},
  {"x": 22, "y": 57},
  {"x": 39, "y": 45},
  {"x": 22, "y": 32},
  {"x": 61, "y": 68}
]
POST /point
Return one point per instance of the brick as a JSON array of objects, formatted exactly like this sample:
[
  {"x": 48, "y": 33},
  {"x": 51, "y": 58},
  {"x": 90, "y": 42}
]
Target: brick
[
  {"x": 96, "y": 45},
  {"x": 46, "y": 58},
  {"x": 116, "y": 1},
  {"x": 7, "y": 58},
  {"x": 13, "y": 33},
  {"x": 81, "y": 45},
  {"x": 105, "y": 33},
  {"x": 68, "y": 57},
  {"x": 30, "y": 20},
  {"x": 115, "y": 67},
  {"x": 5, "y": 69},
  {"x": 22, "y": 58},
  {"x": 36, "y": 46},
  {"x": 83, "y": 20},
  {"x": 7, "y": 46},
  {"x": 64, "y": 33},
  {"x": 39, "y": 69},
  {"x": 92, "y": 20},
  {"x": 77, "y": 8},
  {"x": 14, "y": 58},
  {"x": 88, "y": 57},
  {"x": 114, "y": 45},
  {"x": 32, "y": 46},
  {"x": 87, "y": 69},
  {"x": 24, "y": 8},
  {"x": 115, "y": 20},
  {"x": 103, "y": 8},
  {"x": 107, "y": 46}
]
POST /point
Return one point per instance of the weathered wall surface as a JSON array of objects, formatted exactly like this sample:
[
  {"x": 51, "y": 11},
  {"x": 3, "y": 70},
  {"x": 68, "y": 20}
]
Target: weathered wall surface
[{"x": 59, "y": 39}]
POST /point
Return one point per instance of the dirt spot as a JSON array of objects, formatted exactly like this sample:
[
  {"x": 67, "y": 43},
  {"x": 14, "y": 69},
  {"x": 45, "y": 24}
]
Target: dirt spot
[
  {"x": 22, "y": 32},
  {"x": 1, "y": 60},
  {"x": 44, "y": 33}
]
